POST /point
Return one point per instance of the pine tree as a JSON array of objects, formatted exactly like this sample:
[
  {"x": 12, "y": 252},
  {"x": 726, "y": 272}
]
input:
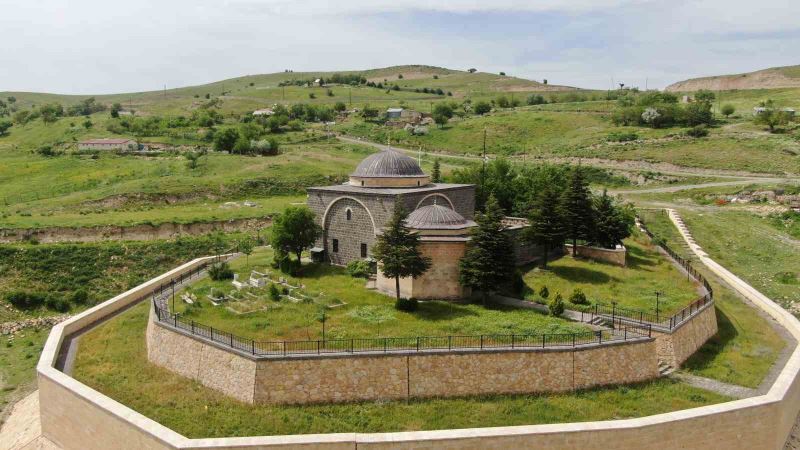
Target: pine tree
[
  {"x": 488, "y": 262},
  {"x": 576, "y": 204},
  {"x": 397, "y": 250},
  {"x": 436, "y": 173},
  {"x": 546, "y": 222},
  {"x": 612, "y": 223}
]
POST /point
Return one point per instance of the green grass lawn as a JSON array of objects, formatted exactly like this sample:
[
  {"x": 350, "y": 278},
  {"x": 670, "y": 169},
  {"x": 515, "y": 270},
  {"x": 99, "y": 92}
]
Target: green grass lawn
[
  {"x": 18, "y": 357},
  {"x": 367, "y": 314},
  {"x": 746, "y": 345},
  {"x": 633, "y": 286},
  {"x": 113, "y": 360}
]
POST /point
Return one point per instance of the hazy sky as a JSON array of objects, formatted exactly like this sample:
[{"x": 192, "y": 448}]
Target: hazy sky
[{"x": 82, "y": 46}]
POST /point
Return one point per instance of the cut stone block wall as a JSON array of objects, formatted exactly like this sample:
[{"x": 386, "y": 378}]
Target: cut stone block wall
[
  {"x": 440, "y": 281},
  {"x": 363, "y": 376},
  {"x": 676, "y": 347},
  {"x": 613, "y": 256}
]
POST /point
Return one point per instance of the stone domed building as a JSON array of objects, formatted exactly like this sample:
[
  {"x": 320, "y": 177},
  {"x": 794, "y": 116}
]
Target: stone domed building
[{"x": 353, "y": 214}]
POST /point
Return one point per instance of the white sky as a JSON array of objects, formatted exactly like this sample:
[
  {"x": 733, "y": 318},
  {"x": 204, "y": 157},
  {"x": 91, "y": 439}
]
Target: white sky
[{"x": 92, "y": 46}]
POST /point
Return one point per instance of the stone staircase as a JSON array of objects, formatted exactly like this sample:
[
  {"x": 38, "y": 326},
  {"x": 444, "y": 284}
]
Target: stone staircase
[{"x": 665, "y": 368}]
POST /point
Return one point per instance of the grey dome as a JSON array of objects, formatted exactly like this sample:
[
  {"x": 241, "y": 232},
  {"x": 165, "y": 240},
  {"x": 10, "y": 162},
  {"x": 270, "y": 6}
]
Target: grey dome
[
  {"x": 388, "y": 163},
  {"x": 436, "y": 217}
]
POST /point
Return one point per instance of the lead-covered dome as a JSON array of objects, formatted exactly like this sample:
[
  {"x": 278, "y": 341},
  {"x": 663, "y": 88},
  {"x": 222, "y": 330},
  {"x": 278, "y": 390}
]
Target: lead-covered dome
[
  {"x": 388, "y": 168},
  {"x": 388, "y": 163},
  {"x": 437, "y": 217}
]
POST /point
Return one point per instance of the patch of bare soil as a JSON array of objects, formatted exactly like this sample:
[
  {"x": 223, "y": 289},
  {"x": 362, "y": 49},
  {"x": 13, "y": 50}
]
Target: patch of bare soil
[{"x": 762, "y": 79}]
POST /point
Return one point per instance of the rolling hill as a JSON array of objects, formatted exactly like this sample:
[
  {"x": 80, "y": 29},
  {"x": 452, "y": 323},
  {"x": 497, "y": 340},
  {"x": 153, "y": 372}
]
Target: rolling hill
[
  {"x": 775, "y": 77},
  {"x": 252, "y": 91}
]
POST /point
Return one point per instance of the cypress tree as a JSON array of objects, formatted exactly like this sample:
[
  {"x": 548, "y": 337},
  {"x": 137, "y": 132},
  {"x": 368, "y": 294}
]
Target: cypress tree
[
  {"x": 436, "y": 173},
  {"x": 397, "y": 250},
  {"x": 488, "y": 262},
  {"x": 546, "y": 222},
  {"x": 576, "y": 204}
]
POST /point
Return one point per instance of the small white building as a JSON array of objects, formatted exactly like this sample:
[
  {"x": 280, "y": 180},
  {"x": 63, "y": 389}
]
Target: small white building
[
  {"x": 760, "y": 110},
  {"x": 394, "y": 113},
  {"x": 108, "y": 144}
]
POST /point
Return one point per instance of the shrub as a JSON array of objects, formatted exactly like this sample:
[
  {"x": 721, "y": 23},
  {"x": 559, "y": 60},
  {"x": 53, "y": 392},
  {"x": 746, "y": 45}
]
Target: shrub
[
  {"x": 359, "y": 269},
  {"x": 79, "y": 297},
  {"x": 622, "y": 136},
  {"x": 57, "y": 304},
  {"x": 274, "y": 292},
  {"x": 220, "y": 271},
  {"x": 697, "y": 131},
  {"x": 25, "y": 300},
  {"x": 578, "y": 297},
  {"x": 406, "y": 304},
  {"x": 543, "y": 292},
  {"x": 482, "y": 108},
  {"x": 556, "y": 305}
]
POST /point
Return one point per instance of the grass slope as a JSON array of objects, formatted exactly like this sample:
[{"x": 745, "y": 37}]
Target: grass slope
[
  {"x": 746, "y": 346},
  {"x": 113, "y": 360},
  {"x": 368, "y": 314},
  {"x": 633, "y": 286}
]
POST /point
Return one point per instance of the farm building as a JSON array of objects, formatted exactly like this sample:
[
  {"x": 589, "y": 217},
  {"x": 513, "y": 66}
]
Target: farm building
[
  {"x": 108, "y": 144},
  {"x": 394, "y": 113}
]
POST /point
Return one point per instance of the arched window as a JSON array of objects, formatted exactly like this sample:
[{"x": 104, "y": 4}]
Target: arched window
[{"x": 349, "y": 214}]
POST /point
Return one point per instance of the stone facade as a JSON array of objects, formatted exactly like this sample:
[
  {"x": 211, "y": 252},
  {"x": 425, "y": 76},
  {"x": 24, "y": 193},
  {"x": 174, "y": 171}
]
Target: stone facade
[
  {"x": 371, "y": 209},
  {"x": 440, "y": 281},
  {"x": 676, "y": 347}
]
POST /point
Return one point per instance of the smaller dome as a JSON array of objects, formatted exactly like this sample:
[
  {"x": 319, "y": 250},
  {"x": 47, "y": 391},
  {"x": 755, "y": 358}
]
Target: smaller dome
[
  {"x": 436, "y": 217},
  {"x": 388, "y": 163}
]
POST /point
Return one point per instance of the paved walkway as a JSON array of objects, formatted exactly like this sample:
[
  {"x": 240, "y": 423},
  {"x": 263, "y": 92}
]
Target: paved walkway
[{"x": 22, "y": 430}]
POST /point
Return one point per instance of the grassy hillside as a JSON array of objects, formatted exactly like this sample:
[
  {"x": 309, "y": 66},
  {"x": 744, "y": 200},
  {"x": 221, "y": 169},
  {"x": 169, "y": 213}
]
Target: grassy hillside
[
  {"x": 774, "y": 77},
  {"x": 254, "y": 91}
]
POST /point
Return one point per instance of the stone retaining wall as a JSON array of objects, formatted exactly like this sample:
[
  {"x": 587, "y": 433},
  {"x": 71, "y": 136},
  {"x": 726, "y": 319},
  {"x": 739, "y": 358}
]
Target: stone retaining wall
[
  {"x": 677, "y": 346},
  {"x": 365, "y": 376},
  {"x": 613, "y": 256}
]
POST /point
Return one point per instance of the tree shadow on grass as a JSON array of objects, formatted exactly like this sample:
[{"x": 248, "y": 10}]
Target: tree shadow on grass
[
  {"x": 582, "y": 275},
  {"x": 442, "y": 310},
  {"x": 704, "y": 357},
  {"x": 638, "y": 258}
]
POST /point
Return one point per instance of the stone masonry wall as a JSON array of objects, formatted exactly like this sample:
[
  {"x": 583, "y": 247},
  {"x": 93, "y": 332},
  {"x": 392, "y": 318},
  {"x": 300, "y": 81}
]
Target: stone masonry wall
[
  {"x": 213, "y": 367},
  {"x": 613, "y": 256},
  {"x": 676, "y": 347},
  {"x": 349, "y": 233},
  {"x": 360, "y": 377},
  {"x": 440, "y": 281}
]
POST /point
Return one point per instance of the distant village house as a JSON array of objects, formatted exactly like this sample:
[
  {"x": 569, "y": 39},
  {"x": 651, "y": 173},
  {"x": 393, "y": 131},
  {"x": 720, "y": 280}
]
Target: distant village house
[
  {"x": 263, "y": 112},
  {"x": 108, "y": 144}
]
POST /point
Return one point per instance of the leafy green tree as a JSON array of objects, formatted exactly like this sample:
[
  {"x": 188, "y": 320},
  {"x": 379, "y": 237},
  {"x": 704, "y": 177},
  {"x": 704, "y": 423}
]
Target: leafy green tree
[
  {"x": 443, "y": 109},
  {"x": 242, "y": 146},
  {"x": 88, "y": 123},
  {"x": 698, "y": 113},
  {"x": 576, "y": 207},
  {"x": 369, "y": 112},
  {"x": 704, "y": 96},
  {"x": 339, "y": 107},
  {"x": 436, "y": 173},
  {"x": 503, "y": 102},
  {"x": 295, "y": 230},
  {"x": 440, "y": 119},
  {"x": 488, "y": 263},
  {"x": 482, "y": 108},
  {"x": 22, "y": 117},
  {"x": 4, "y": 126},
  {"x": 51, "y": 112},
  {"x": 771, "y": 116},
  {"x": 246, "y": 245},
  {"x": 115, "y": 109},
  {"x": 728, "y": 110},
  {"x": 546, "y": 222},
  {"x": 224, "y": 140},
  {"x": 397, "y": 250},
  {"x": 612, "y": 223},
  {"x": 193, "y": 158}
]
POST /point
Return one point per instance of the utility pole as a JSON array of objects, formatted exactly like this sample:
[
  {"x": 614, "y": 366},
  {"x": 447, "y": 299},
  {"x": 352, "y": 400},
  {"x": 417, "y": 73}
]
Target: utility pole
[{"x": 350, "y": 93}]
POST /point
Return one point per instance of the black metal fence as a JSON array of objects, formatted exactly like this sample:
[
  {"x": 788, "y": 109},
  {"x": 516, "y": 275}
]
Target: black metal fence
[{"x": 623, "y": 332}]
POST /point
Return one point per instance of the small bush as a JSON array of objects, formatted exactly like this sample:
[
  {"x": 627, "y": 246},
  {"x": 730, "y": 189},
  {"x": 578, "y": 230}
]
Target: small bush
[
  {"x": 220, "y": 271},
  {"x": 697, "y": 131},
  {"x": 25, "y": 300},
  {"x": 543, "y": 292},
  {"x": 274, "y": 292},
  {"x": 359, "y": 269},
  {"x": 57, "y": 304},
  {"x": 578, "y": 297},
  {"x": 622, "y": 136},
  {"x": 407, "y": 304},
  {"x": 556, "y": 305},
  {"x": 79, "y": 297}
]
